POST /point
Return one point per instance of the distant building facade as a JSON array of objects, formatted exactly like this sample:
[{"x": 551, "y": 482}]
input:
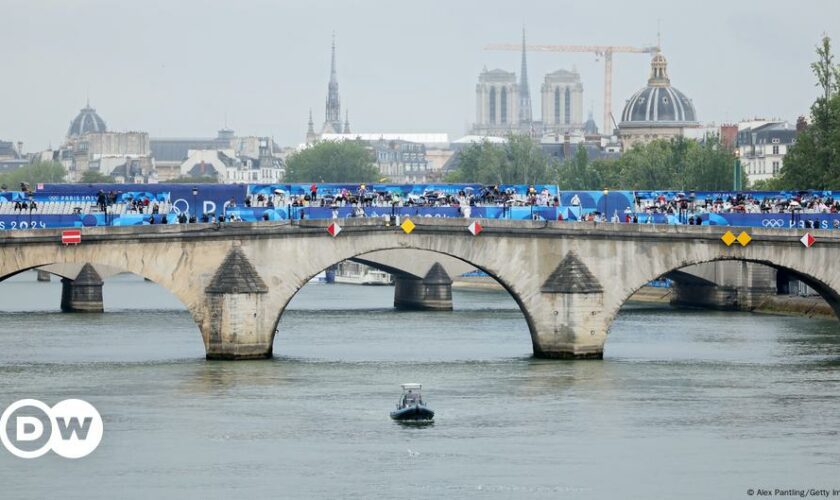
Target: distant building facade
[
  {"x": 171, "y": 152},
  {"x": 11, "y": 156},
  {"x": 403, "y": 158},
  {"x": 503, "y": 105},
  {"x": 762, "y": 146},
  {"x": 228, "y": 158},
  {"x": 562, "y": 102},
  {"x": 401, "y": 161},
  {"x": 657, "y": 111},
  {"x": 729, "y": 136},
  {"x": 90, "y": 146},
  {"x": 127, "y": 153},
  {"x": 497, "y": 103}
]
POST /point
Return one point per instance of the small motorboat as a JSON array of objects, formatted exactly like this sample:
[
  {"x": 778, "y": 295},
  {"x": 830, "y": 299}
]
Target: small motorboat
[{"x": 411, "y": 407}]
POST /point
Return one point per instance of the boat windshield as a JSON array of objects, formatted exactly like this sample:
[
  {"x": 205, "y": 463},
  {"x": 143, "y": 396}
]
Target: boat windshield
[{"x": 412, "y": 398}]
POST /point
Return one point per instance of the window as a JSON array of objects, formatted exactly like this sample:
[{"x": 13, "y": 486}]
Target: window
[
  {"x": 775, "y": 148},
  {"x": 775, "y": 140},
  {"x": 568, "y": 105},
  {"x": 775, "y": 167},
  {"x": 492, "y": 104},
  {"x": 504, "y": 105},
  {"x": 556, "y": 104}
]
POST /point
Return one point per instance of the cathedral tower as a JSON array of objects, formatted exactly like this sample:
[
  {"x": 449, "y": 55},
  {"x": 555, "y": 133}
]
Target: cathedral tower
[{"x": 332, "y": 114}]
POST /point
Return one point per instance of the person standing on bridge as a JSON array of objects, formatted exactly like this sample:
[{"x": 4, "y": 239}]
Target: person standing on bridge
[{"x": 313, "y": 192}]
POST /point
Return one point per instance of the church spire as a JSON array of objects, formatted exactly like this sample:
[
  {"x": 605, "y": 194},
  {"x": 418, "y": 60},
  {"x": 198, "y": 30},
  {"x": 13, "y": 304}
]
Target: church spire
[
  {"x": 346, "y": 121},
  {"x": 332, "y": 114},
  {"x": 524, "y": 93},
  {"x": 311, "y": 136},
  {"x": 333, "y": 77}
]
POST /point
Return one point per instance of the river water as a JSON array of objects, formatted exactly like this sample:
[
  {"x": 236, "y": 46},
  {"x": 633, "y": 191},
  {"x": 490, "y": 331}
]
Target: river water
[{"x": 686, "y": 404}]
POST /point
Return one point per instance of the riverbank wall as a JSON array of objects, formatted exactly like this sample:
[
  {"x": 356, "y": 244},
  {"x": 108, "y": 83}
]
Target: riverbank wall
[{"x": 789, "y": 305}]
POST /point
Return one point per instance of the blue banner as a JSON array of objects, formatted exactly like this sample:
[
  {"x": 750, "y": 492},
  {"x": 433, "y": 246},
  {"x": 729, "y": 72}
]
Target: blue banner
[{"x": 224, "y": 199}]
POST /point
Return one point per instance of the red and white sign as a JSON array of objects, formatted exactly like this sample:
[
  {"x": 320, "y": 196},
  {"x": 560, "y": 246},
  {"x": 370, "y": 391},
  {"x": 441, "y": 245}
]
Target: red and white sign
[
  {"x": 334, "y": 229},
  {"x": 807, "y": 240},
  {"x": 71, "y": 237},
  {"x": 39, "y": 187},
  {"x": 475, "y": 228}
]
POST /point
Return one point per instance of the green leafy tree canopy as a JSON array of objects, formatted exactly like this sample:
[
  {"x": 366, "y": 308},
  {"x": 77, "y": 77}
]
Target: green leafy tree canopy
[
  {"x": 94, "y": 177},
  {"x": 34, "y": 173},
  {"x": 813, "y": 162},
  {"x": 332, "y": 161},
  {"x": 519, "y": 160},
  {"x": 679, "y": 163}
]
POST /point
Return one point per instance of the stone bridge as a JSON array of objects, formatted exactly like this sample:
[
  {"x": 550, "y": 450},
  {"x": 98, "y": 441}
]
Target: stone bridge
[{"x": 569, "y": 279}]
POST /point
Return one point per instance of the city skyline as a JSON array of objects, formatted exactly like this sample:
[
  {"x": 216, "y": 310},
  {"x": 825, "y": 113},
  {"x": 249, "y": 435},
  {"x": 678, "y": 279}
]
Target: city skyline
[{"x": 264, "y": 79}]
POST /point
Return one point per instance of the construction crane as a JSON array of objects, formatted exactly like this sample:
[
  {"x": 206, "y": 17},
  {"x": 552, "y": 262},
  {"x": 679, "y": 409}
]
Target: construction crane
[{"x": 605, "y": 51}]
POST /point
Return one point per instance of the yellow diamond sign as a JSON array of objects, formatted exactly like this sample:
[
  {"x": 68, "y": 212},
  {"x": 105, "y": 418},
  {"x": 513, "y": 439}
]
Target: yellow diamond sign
[
  {"x": 407, "y": 226},
  {"x": 728, "y": 238},
  {"x": 744, "y": 239}
]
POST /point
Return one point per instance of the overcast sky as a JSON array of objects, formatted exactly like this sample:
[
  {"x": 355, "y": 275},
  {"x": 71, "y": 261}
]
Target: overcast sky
[{"x": 177, "y": 68}]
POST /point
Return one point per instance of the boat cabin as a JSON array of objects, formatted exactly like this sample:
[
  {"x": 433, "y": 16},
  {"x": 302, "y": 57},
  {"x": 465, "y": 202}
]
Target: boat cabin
[{"x": 411, "y": 395}]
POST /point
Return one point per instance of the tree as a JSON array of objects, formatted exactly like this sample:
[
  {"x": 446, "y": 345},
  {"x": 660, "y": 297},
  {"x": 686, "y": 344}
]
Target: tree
[
  {"x": 678, "y": 163},
  {"x": 648, "y": 166},
  {"x": 708, "y": 166},
  {"x": 520, "y": 160},
  {"x": 578, "y": 174},
  {"x": 94, "y": 177},
  {"x": 477, "y": 163},
  {"x": 813, "y": 162},
  {"x": 828, "y": 75},
  {"x": 332, "y": 161},
  {"x": 34, "y": 173},
  {"x": 772, "y": 184}
]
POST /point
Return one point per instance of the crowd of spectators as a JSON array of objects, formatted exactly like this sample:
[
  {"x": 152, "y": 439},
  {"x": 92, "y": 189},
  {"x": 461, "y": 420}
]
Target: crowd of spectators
[
  {"x": 364, "y": 197},
  {"x": 748, "y": 203}
]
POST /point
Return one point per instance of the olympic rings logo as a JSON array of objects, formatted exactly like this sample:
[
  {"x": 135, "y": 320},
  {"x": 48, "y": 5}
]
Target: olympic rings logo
[{"x": 773, "y": 223}]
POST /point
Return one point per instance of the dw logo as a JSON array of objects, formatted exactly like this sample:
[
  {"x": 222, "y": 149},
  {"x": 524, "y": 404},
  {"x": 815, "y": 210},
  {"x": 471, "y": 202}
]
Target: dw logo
[{"x": 72, "y": 428}]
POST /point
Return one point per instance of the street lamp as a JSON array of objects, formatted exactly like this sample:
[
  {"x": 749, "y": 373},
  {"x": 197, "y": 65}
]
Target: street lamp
[
  {"x": 607, "y": 204},
  {"x": 195, "y": 206}
]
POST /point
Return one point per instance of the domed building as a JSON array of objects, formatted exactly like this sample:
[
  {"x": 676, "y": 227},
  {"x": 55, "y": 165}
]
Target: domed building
[
  {"x": 590, "y": 127},
  {"x": 86, "y": 121},
  {"x": 658, "y": 111}
]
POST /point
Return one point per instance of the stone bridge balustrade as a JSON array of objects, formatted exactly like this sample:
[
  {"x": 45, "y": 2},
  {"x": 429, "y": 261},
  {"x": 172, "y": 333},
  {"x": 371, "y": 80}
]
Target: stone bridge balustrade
[{"x": 569, "y": 279}]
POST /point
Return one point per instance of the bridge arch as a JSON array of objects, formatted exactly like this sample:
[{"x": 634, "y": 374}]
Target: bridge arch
[
  {"x": 829, "y": 293},
  {"x": 509, "y": 287},
  {"x": 173, "y": 282}
]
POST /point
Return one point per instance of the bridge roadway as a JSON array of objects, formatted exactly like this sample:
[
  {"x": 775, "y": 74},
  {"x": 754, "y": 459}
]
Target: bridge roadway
[{"x": 569, "y": 279}]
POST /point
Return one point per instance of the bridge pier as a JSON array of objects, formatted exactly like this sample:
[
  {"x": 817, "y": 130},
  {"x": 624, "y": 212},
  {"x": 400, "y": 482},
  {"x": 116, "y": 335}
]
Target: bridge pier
[
  {"x": 567, "y": 317},
  {"x": 83, "y": 294},
  {"x": 731, "y": 286},
  {"x": 432, "y": 293},
  {"x": 570, "y": 326},
  {"x": 724, "y": 298},
  {"x": 236, "y": 325}
]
